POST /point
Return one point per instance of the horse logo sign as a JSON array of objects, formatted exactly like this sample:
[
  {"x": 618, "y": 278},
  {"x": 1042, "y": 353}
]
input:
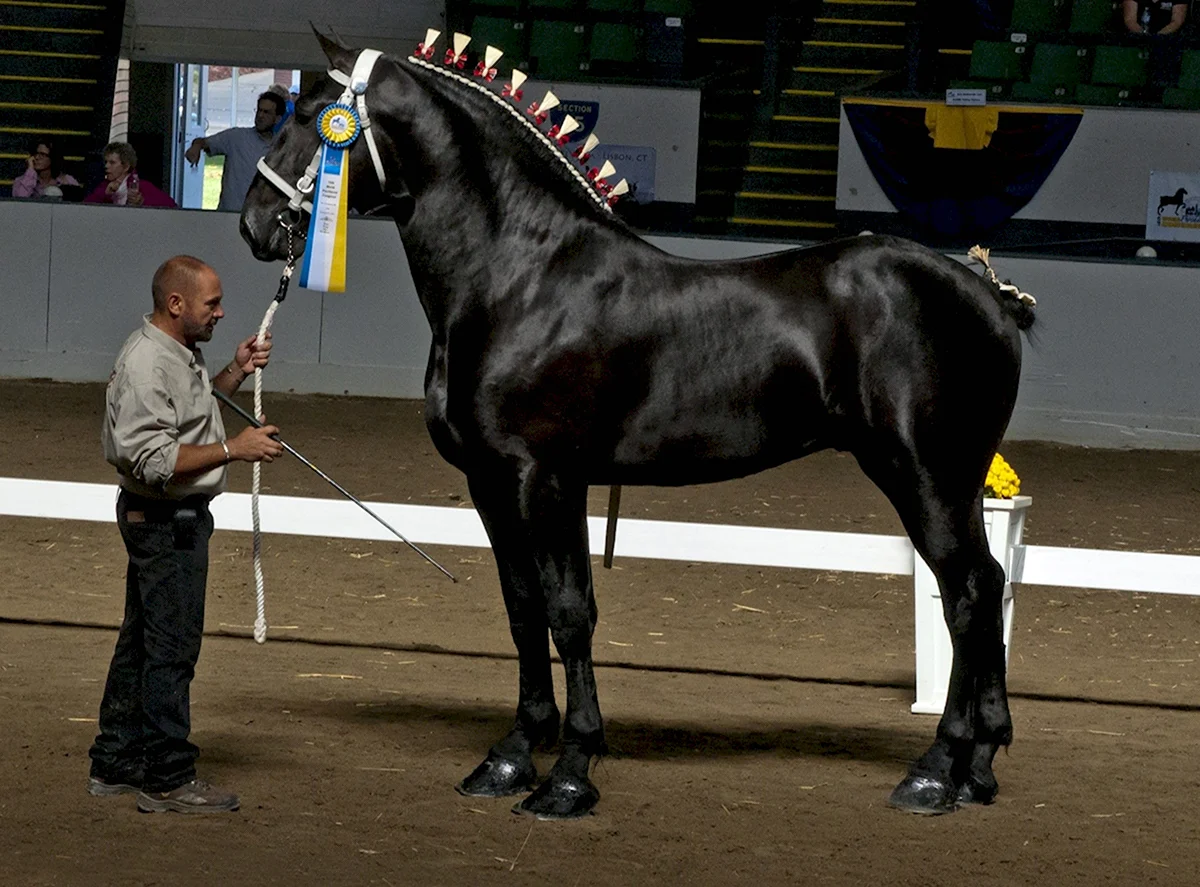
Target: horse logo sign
[{"x": 1173, "y": 207}]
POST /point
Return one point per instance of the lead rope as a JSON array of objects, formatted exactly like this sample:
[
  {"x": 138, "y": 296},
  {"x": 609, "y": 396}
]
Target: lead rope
[{"x": 260, "y": 619}]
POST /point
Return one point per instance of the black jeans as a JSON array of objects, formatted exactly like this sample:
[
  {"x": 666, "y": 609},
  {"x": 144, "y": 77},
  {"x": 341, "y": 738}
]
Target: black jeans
[{"x": 145, "y": 715}]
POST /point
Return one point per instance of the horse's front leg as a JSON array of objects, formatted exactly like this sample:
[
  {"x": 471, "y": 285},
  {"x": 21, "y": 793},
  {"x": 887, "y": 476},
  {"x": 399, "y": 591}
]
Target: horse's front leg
[{"x": 509, "y": 768}]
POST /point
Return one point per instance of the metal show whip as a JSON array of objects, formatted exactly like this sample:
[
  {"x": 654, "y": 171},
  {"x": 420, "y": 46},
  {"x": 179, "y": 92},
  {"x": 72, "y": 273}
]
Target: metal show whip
[{"x": 257, "y": 424}]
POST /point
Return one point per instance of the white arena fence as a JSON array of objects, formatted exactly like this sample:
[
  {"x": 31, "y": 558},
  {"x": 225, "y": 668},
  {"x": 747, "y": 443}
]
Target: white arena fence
[{"x": 692, "y": 542}]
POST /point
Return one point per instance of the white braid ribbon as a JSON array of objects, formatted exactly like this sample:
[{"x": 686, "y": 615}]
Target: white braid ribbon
[{"x": 260, "y": 619}]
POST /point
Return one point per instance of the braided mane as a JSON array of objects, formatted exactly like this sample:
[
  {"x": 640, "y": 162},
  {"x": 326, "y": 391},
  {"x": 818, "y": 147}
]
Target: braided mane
[{"x": 590, "y": 179}]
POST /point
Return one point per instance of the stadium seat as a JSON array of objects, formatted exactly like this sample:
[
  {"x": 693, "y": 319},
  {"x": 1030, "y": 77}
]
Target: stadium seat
[
  {"x": 1040, "y": 15},
  {"x": 615, "y": 45},
  {"x": 552, "y": 4},
  {"x": 1058, "y": 65},
  {"x": 556, "y": 49},
  {"x": 998, "y": 61},
  {"x": 1189, "y": 69},
  {"x": 1093, "y": 94},
  {"x": 669, "y": 7},
  {"x": 613, "y": 5},
  {"x": 1042, "y": 92},
  {"x": 501, "y": 33},
  {"x": 1093, "y": 16},
  {"x": 1120, "y": 66},
  {"x": 1177, "y": 97}
]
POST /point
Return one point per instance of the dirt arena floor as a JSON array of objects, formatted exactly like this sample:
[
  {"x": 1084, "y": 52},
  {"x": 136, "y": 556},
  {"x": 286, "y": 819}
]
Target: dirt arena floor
[{"x": 757, "y": 718}]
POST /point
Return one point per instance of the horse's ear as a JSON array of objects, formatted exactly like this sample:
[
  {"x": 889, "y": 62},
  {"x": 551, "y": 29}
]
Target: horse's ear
[{"x": 340, "y": 57}]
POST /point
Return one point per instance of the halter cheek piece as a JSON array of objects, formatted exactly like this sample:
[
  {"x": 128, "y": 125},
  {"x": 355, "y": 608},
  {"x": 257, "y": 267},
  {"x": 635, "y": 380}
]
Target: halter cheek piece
[{"x": 356, "y": 91}]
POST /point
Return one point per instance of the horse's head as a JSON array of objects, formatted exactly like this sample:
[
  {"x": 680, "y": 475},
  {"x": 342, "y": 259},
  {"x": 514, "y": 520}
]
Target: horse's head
[{"x": 280, "y": 197}]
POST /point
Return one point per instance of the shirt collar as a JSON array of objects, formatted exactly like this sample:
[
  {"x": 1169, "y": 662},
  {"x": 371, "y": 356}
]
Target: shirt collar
[{"x": 176, "y": 349}]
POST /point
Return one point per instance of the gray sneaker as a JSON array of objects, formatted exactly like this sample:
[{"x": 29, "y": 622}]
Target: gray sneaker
[
  {"x": 196, "y": 796},
  {"x": 102, "y": 788}
]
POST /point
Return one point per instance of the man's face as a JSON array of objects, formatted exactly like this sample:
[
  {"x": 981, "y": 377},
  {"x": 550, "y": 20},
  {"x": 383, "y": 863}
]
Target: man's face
[
  {"x": 265, "y": 117},
  {"x": 202, "y": 308}
]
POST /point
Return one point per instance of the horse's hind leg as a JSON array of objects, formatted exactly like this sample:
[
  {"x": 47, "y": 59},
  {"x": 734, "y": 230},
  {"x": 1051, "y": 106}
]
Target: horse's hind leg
[
  {"x": 509, "y": 768},
  {"x": 945, "y": 522}
]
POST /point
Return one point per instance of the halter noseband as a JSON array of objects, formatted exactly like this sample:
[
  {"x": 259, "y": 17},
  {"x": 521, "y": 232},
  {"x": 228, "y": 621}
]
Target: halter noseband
[{"x": 356, "y": 91}]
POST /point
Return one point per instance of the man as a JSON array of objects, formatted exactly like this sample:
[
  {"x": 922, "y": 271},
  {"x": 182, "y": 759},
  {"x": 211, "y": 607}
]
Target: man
[
  {"x": 243, "y": 147},
  {"x": 1154, "y": 16},
  {"x": 163, "y": 433}
]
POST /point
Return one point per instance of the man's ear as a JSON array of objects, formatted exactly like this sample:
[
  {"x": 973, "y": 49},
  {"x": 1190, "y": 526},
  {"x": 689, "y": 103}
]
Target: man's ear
[
  {"x": 340, "y": 57},
  {"x": 175, "y": 304}
]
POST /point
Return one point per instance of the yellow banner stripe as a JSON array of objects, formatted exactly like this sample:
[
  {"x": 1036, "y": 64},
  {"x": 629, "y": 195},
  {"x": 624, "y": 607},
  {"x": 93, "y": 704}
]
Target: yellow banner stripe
[
  {"x": 849, "y": 45},
  {"x": 794, "y": 118},
  {"x": 827, "y": 93},
  {"x": 12, "y": 156},
  {"x": 805, "y": 69},
  {"x": 786, "y": 223},
  {"x": 859, "y": 21},
  {"x": 50, "y": 5},
  {"x": 50, "y": 55},
  {"x": 788, "y": 170},
  {"x": 38, "y": 106},
  {"x": 729, "y": 41},
  {"x": 789, "y": 146},
  {"x": 38, "y": 130},
  {"x": 764, "y": 195},
  {"x": 33, "y": 79},
  {"x": 50, "y": 30}
]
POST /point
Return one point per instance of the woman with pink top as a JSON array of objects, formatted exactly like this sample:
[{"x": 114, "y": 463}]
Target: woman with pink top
[
  {"x": 121, "y": 184},
  {"x": 43, "y": 171}
]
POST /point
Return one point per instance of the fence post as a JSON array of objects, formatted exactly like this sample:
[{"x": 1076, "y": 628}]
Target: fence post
[{"x": 1004, "y": 523}]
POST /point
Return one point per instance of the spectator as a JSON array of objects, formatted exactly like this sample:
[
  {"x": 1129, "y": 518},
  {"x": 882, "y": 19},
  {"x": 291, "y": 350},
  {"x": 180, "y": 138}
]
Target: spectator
[
  {"x": 121, "y": 184},
  {"x": 243, "y": 147},
  {"x": 43, "y": 171},
  {"x": 163, "y": 433},
  {"x": 288, "y": 106},
  {"x": 1161, "y": 17}
]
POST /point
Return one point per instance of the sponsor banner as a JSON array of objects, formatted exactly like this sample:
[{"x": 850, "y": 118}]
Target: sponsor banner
[
  {"x": 1173, "y": 206},
  {"x": 634, "y": 163}
]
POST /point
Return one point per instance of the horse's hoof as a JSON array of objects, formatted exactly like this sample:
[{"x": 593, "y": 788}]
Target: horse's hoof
[
  {"x": 974, "y": 792},
  {"x": 498, "y": 778},
  {"x": 923, "y": 794},
  {"x": 561, "y": 798}
]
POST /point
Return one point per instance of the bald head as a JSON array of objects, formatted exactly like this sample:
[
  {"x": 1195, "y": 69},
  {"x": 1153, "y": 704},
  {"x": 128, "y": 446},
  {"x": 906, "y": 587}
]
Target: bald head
[{"x": 179, "y": 274}]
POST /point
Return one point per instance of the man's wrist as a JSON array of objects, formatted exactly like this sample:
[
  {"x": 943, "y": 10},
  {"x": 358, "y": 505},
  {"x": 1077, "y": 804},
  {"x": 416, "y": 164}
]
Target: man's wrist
[{"x": 235, "y": 372}]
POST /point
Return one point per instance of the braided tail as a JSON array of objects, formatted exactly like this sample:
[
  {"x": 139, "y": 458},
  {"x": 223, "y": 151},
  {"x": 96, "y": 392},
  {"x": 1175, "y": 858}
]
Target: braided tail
[{"x": 1019, "y": 305}]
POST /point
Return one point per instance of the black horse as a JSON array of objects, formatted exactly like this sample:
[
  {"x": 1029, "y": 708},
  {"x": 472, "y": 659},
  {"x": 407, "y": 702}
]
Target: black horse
[{"x": 567, "y": 351}]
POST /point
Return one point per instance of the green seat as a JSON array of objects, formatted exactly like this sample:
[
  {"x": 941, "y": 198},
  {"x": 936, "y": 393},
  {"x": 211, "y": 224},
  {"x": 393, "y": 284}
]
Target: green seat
[
  {"x": 1094, "y": 94},
  {"x": 995, "y": 90},
  {"x": 1042, "y": 92},
  {"x": 553, "y": 4},
  {"x": 613, "y": 43},
  {"x": 613, "y": 5},
  {"x": 1040, "y": 15},
  {"x": 501, "y": 33},
  {"x": 998, "y": 61},
  {"x": 1177, "y": 97},
  {"x": 1120, "y": 66},
  {"x": 556, "y": 49},
  {"x": 1093, "y": 16},
  {"x": 1189, "y": 69},
  {"x": 1058, "y": 65},
  {"x": 669, "y": 7}
]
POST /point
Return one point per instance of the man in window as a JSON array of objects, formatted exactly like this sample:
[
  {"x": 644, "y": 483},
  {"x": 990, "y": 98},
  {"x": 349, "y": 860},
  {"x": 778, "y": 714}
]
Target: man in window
[{"x": 242, "y": 146}]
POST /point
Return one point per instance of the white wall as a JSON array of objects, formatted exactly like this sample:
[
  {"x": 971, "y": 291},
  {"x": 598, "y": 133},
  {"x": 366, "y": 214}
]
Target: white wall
[
  {"x": 1103, "y": 176},
  {"x": 1114, "y": 364}
]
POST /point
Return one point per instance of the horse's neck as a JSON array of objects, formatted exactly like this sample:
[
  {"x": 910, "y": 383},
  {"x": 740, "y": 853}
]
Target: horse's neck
[{"x": 483, "y": 219}]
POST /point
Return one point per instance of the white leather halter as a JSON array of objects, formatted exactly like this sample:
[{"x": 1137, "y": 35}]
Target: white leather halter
[{"x": 300, "y": 194}]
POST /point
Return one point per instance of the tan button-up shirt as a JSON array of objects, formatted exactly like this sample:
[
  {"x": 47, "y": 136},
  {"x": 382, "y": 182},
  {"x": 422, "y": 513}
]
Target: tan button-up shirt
[{"x": 160, "y": 396}]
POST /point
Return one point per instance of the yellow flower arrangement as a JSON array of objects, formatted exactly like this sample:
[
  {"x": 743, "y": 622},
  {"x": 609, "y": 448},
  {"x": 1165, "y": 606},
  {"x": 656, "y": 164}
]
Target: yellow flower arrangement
[{"x": 1002, "y": 482}]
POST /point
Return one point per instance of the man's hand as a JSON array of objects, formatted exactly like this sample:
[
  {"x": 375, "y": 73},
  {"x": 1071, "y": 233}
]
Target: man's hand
[
  {"x": 134, "y": 198},
  {"x": 192, "y": 154},
  {"x": 255, "y": 444},
  {"x": 252, "y": 354}
]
